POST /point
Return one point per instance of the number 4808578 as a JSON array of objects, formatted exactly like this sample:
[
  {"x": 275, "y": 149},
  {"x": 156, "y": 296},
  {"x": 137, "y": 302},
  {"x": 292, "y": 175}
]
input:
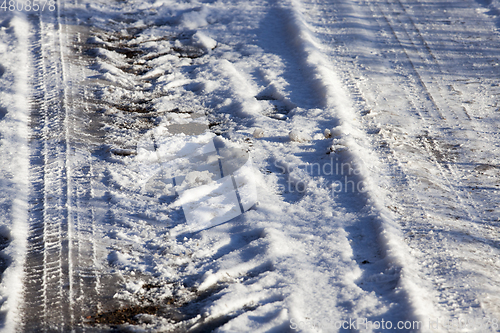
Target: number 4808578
[{"x": 27, "y": 5}]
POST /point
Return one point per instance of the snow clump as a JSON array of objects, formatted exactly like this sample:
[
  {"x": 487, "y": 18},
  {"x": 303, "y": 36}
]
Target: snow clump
[
  {"x": 298, "y": 136},
  {"x": 258, "y": 133},
  {"x": 202, "y": 40}
]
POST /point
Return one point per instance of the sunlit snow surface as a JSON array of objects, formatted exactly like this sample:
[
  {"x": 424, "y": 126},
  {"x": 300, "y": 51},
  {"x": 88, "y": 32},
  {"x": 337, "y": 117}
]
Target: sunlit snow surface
[{"x": 251, "y": 166}]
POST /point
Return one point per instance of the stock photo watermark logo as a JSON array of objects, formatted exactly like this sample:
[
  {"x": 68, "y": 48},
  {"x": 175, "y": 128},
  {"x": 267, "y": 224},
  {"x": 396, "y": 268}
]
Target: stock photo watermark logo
[
  {"x": 469, "y": 324},
  {"x": 343, "y": 177},
  {"x": 211, "y": 182}
]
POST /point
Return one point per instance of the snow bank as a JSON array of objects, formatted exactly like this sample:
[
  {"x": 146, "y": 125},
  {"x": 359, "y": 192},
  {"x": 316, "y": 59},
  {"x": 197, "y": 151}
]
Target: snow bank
[{"x": 14, "y": 132}]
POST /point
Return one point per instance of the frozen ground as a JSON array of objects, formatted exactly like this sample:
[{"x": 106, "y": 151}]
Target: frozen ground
[{"x": 250, "y": 166}]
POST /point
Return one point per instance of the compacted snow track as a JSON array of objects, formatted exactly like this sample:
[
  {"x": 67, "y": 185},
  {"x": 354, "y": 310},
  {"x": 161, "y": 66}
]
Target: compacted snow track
[
  {"x": 47, "y": 293},
  {"x": 368, "y": 197},
  {"x": 61, "y": 284},
  {"x": 416, "y": 73}
]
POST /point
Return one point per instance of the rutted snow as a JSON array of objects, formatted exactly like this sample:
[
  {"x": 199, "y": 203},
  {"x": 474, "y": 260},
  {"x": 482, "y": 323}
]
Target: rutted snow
[{"x": 340, "y": 218}]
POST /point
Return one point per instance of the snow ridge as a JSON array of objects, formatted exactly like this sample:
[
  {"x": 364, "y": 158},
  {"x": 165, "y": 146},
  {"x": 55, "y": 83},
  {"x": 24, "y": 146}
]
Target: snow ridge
[
  {"x": 397, "y": 256},
  {"x": 14, "y": 132}
]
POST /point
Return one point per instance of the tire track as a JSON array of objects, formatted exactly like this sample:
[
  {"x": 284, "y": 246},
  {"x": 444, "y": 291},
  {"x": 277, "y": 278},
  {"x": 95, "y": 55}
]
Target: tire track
[
  {"x": 463, "y": 215},
  {"x": 85, "y": 280},
  {"x": 458, "y": 124},
  {"x": 415, "y": 98},
  {"x": 62, "y": 287},
  {"x": 435, "y": 101},
  {"x": 47, "y": 284},
  {"x": 449, "y": 209},
  {"x": 377, "y": 277},
  {"x": 422, "y": 53},
  {"x": 411, "y": 53},
  {"x": 383, "y": 267}
]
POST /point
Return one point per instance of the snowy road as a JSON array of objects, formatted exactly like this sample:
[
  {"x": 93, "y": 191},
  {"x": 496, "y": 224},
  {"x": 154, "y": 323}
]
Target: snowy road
[{"x": 250, "y": 166}]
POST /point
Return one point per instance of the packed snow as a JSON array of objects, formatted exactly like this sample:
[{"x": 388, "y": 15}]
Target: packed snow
[{"x": 250, "y": 166}]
